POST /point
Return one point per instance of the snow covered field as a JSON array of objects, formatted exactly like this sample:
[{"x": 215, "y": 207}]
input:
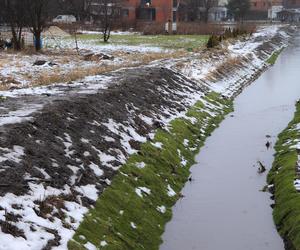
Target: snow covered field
[
  {"x": 62, "y": 166},
  {"x": 63, "y": 63}
]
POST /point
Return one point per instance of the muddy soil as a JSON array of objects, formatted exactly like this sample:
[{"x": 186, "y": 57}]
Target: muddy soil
[
  {"x": 57, "y": 136},
  {"x": 143, "y": 91}
]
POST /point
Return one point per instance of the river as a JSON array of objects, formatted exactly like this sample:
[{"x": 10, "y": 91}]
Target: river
[{"x": 223, "y": 207}]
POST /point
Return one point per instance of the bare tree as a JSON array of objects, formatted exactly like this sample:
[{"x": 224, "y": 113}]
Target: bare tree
[
  {"x": 38, "y": 14},
  {"x": 107, "y": 13},
  {"x": 207, "y": 5},
  {"x": 238, "y": 8},
  {"x": 13, "y": 12},
  {"x": 200, "y": 8},
  {"x": 193, "y": 9}
]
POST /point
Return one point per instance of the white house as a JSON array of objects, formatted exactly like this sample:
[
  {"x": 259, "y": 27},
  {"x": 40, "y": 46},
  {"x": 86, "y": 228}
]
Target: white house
[
  {"x": 273, "y": 11},
  {"x": 218, "y": 13}
]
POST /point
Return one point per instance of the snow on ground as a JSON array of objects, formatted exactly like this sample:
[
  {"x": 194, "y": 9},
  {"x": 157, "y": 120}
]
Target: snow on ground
[
  {"x": 245, "y": 53},
  {"x": 96, "y": 47},
  {"x": 39, "y": 229},
  {"x": 88, "y": 85},
  {"x": 121, "y": 33},
  {"x": 63, "y": 63},
  {"x": 17, "y": 70}
]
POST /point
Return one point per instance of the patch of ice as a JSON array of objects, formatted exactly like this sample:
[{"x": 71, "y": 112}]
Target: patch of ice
[
  {"x": 132, "y": 225},
  {"x": 99, "y": 172},
  {"x": 90, "y": 246},
  {"x": 161, "y": 209},
  {"x": 171, "y": 192},
  {"x": 109, "y": 139},
  {"x": 157, "y": 145},
  {"x": 86, "y": 154},
  {"x": 140, "y": 190},
  {"x": 140, "y": 165},
  {"x": 103, "y": 243},
  {"x": 186, "y": 142},
  {"x": 89, "y": 191},
  {"x": 83, "y": 140},
  {"x": 15, "y": 154}
]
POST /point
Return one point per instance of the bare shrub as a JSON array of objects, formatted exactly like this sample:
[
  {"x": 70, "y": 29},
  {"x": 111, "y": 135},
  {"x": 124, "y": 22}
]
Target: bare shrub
[
  {"x": 199, "y": 28},
  {"x": 150, "y": 28}
]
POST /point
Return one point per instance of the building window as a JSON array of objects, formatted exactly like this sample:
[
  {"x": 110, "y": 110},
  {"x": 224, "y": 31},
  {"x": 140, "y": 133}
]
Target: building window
[
  {"x": 174, "y": 16},
  {"x": 125, "y": 13},
  {"x": 146, "y": 14},
  {"x": 174, "y": 3}
]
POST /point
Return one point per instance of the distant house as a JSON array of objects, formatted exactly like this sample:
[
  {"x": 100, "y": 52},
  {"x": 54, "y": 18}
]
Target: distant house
[
  {"x": 219, "y": 12},
  {"x": 291, "y": 4},
  {"x": 263, "y": 9},
  {"x": 290, "y": 11},
  {"x": 159, "y": 11},
  {"x": 273, "y": 11},
  {"x": 289, "y": 15},
  {"x": 215, "y": 13},
  {"x": 144, "y": 11}
]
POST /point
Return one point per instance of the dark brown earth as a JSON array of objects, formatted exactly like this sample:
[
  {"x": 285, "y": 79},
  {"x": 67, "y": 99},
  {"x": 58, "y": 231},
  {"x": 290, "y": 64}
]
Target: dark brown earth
[
  {"x": 154, "y": 92},
  {"x": 146, "y": 91}
]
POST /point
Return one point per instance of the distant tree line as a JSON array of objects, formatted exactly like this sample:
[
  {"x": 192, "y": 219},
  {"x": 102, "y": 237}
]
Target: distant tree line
[
  {"x": 238, "y": 8},
  {"x": 21, "y": 14},
  {"x": 199, "y": 9},
  {"x": 36, "y": 14}
]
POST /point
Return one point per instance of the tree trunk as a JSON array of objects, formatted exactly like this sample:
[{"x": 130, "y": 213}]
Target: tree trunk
[
  {"x": 37, "y": 41},
  {"x": 15, "y": 41}
]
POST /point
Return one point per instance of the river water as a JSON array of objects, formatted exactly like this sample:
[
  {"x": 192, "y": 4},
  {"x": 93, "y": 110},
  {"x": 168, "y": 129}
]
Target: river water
[{"x": 223, "y": 208}]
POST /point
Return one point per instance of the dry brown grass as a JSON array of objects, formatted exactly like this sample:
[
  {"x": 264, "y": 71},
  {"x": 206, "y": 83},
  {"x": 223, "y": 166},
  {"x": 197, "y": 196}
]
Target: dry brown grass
[
  {"x": 225, "y": 68},
  {"x": 63, "y": 75},
  {"x": 78, "y": 72}
]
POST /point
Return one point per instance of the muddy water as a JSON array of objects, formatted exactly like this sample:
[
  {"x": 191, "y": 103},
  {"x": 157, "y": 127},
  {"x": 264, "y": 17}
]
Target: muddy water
[{"x": 223, "y": 207}]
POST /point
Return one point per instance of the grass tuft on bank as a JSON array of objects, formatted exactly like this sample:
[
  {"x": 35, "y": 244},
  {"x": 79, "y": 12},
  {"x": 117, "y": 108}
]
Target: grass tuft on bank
[
  {"x": 133, "y": 211},
  {"x": 283, "y": 174},
  {"x": 273, "y": 58}
]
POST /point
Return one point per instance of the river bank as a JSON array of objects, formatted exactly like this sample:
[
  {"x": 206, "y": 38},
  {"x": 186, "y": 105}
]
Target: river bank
[
  {"x": 284, "y": 182},
  {"x": 79, "y": 142},
  {"x": 226, "y": 191},
  {"x": 130, "y": 231}
]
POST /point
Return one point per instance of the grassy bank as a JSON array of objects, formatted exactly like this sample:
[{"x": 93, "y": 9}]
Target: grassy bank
[
  {"x": 164, "y": 41},
  {"x": 287, "y": 199},
  {"x": 133, "y": 211},
  {"x": 273, "y": 58}
]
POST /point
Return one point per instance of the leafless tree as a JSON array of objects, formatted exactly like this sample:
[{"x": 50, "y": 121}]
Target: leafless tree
[
  {"x": 239, "y": 8},
  {"x": 201, "y": 8},
  {"x": 107, "y": 13},
  {"x": 38, "y": 14},
  {"x": 207, "y": 5},
  {"x": 13, "y": 13},
  {"x": 193, "y": 9}
]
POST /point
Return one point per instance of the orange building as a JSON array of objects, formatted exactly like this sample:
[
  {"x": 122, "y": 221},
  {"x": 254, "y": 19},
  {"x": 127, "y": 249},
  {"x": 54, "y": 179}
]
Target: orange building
[
  {"x": 264, "y": 5},
  {"x": 159, "y": 11},
  {"x": 291, "y": 4},
  {"x": 259, "y": 9}
]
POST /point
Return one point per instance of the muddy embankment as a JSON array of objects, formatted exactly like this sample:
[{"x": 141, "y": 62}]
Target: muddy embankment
[{"x": 61, "y": 146}]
